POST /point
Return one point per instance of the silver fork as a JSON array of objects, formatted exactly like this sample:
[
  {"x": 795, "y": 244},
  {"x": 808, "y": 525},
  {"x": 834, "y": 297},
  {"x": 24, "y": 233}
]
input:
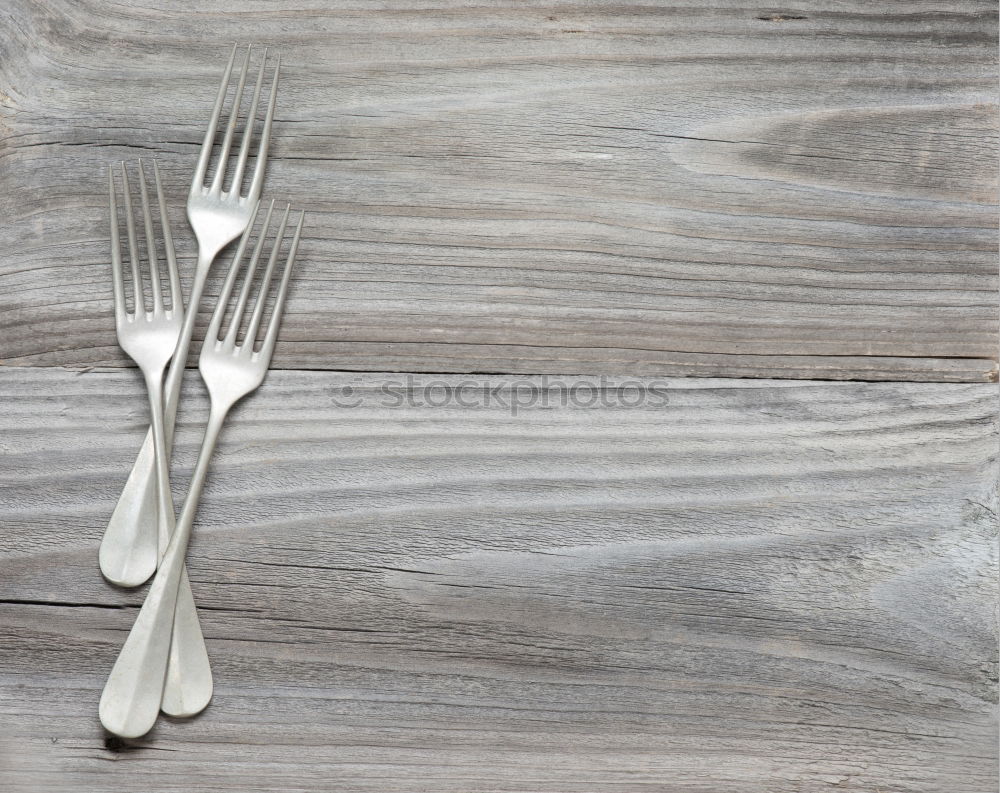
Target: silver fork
[
  {"x": 217, "y": 216},
  {"x": 149, "y": 338},
  {"x": 132, "y": 696}
]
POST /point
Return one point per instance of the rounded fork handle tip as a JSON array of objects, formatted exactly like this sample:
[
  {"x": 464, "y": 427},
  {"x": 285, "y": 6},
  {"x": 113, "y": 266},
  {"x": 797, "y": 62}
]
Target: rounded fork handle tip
[
  {"x": 188, "y": 687},
  {"x": 129, "y": 553}
]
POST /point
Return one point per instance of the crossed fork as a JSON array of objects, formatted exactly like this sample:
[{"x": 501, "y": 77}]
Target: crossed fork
[{"x": 163, "y": 664}]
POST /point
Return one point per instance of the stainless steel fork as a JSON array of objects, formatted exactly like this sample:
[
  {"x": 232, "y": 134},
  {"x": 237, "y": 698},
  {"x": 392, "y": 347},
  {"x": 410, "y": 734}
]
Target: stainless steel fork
[
  {"x": 217, "y": 216},
  {"x": 132, "y": 696},
  {"x": 149, "y": 333},
  {"x": 150, "y": 337}
]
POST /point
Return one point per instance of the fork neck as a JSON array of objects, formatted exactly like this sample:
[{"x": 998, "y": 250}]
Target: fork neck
[
  {"x": 175, "y": 373},
  {"x": 182, "y": 534},
  {"x": 165, "y": 503}
]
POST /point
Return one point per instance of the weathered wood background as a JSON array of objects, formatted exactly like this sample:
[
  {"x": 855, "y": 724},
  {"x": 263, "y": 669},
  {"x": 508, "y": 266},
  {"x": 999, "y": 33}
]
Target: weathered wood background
[
  {"x": 752, "y": 586},
  {"x": 671, "y": 188}
]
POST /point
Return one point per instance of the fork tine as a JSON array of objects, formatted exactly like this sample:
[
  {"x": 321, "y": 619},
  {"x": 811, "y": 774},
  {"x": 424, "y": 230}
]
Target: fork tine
[
  {"x": 265, "y": 281},
  {"x": 241, "y": 303},
  {"x": 147, "y": 221},
  {"x": 212, "y": 334},
  {"x": 206, "y": 147},
  {"x": 227, "y": 142},
  {"x": 116, "y": 250},
  {"x": 267, "y": 348},
  {"x": 248, "y": 134},
  {"x": 265, "y": 135},
  {"x": 176, "y": 298},
  {"x": 138, "y": 294}
]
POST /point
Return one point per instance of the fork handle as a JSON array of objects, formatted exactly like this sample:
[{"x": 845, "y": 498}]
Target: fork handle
[
  {"x": 188, "y": 685},
  {"x": 175, "y": 372},
  {"x": 133, "y": 694},
  {"x": 128, "y": 553},
  {"x": 187, "y": 689}
]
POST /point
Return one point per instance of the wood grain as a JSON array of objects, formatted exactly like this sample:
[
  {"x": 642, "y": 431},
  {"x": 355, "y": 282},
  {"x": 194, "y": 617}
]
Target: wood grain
[
  {"x": 716, "y": 189},
  {"x": 741, "y": 587}
]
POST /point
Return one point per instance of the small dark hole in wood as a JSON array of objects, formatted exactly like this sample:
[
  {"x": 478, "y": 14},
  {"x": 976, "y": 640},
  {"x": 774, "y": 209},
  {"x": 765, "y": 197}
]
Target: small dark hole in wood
[{"x": 115, "y": 744}]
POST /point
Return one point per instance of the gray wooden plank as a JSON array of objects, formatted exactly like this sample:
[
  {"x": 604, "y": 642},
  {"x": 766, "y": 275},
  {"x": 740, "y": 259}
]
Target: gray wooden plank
[
  {"x": 686, "y": 189},
  {"x": 736, "y": 586}
]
